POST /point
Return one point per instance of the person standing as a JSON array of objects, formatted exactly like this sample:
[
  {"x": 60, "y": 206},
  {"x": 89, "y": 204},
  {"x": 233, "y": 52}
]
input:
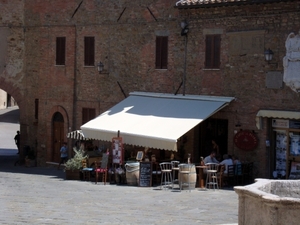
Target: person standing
[
  {"x": 17, "y": 141},
  {"x": 63, "y": 154}
]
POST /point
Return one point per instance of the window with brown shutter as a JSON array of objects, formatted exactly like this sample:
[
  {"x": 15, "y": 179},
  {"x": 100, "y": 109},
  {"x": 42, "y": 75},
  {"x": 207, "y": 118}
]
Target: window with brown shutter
[
  {"x": 212, "y": 51},
  {"x": 88, "y": 114},
  {"x": 60, "y": 51},
  {"x": 161, "y": 52},
  {"x": 89, "y": 51}
]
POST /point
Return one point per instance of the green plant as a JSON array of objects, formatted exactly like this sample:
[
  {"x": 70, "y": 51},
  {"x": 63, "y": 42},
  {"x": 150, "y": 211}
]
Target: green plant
[{"x": 75, "y": 163}]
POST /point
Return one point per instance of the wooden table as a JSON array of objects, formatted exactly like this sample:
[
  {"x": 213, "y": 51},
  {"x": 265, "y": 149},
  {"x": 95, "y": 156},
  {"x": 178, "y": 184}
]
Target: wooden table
[{"x": 200, "y": 176}]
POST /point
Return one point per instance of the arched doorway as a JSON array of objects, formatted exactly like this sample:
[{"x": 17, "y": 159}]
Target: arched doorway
[{"x": 58, "y": 135}]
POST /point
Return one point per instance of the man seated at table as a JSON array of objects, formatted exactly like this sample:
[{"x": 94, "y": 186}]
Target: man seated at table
[
  {"x": 227, "y": 161},
  {"x": 211, "y": 158}
]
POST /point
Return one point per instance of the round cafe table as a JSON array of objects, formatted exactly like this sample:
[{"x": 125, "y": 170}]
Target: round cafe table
[{"x": 200, "y": 176}]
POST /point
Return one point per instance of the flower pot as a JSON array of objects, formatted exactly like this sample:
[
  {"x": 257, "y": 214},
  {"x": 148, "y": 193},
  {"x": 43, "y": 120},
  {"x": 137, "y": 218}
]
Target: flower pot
[{"x": 72, "y": 174}]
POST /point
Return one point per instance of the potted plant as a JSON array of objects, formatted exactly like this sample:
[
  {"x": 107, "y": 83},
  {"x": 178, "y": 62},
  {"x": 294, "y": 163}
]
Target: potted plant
[{"x": 73, "y": 165}]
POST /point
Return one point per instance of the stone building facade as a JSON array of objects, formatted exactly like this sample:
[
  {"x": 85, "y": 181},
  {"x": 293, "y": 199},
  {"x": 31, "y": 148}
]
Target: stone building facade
[{"x": 53, "y": 98}]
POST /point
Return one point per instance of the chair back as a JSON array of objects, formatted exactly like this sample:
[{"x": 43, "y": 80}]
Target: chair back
[
  {"x": 84, "y": 163},
  {"x": 238, "y": 169},
  {"x": 212, "y": 167},
  {"x": 230, "y": 170},
  {"x": 165, "y": 166},
  {"x": 175, "y": 164}
]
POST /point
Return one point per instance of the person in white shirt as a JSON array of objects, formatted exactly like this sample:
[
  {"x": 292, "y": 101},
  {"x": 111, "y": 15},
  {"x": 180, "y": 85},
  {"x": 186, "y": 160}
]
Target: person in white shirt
[{"x": 227, "y": 160}]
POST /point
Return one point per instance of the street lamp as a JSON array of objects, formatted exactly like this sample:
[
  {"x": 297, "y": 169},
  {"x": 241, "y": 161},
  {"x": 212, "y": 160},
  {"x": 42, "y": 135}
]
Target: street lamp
[
  {"x": 268, "y": 55},
  {"x": 100, "y": 67}
]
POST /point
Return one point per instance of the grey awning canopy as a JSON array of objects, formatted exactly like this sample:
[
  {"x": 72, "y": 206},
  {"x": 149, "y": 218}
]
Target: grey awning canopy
[{"x": 153, "y": 120}]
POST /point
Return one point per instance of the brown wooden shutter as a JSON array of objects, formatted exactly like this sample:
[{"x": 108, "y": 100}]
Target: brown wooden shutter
[
  {"x": 212, "y": 51},
  {"x": 60, "y": 51},
  {"x": 158, "y": 51},
  {"x": 161, "y": 61},
  {"x": 88, "y": 114},
  {"x": 36, "y": 108},
  {"x": 164, "y": 53},
  {"x": 208, "y": 51},
  {"x": 89, "y": 51},
  {"x": 217, "y": 51}
]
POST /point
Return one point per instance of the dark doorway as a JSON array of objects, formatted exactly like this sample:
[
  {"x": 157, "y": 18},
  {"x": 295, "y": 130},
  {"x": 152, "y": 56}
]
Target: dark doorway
[
  {"x": 213, "y": 129},
  {"x": 58, "y": 135}
]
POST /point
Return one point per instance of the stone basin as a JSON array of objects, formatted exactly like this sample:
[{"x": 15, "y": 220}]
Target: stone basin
[{"x": 275, "y": 202}]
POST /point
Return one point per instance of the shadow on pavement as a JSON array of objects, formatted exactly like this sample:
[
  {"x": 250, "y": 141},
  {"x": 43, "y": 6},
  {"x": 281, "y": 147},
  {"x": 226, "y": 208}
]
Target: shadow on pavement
[
  {"x": 9, "y": 164},
  {"x": 10, "y": 115}
]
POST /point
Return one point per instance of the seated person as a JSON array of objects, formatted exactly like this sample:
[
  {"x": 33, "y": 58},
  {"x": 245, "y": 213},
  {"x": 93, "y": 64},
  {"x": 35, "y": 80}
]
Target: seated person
[
  {"x": 238, "y": 165},
  {"x": 211, "y": 158},
  {"x": 226, "y": 162}
]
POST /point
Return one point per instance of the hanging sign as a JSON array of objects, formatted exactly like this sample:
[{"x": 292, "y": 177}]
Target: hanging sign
[
  {"x": 245, "y": 140},
  {"x": 117, "y": 150}
]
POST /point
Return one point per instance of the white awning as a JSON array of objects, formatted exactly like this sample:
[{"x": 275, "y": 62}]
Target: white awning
[
  {"x": 77, "y": 134},
  {"x": 152, "y": 119},
  {"x": 281, "y": 114}
]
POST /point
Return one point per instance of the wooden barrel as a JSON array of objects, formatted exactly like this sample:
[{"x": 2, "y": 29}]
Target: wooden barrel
[
  {"x": 187, "y": 179},
  {"x": 132, "y": 173}
]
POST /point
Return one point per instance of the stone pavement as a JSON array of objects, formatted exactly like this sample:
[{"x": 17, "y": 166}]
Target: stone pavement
[{"x": 41, "y": 196}]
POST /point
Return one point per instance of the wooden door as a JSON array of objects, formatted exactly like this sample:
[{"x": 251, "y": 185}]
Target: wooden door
[{"x": 58, "y": 136}]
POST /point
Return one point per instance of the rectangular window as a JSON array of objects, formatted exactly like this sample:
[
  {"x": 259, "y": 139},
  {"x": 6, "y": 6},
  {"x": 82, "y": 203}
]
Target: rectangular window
[
  {"x": 161, "y": 52},
  {"x": 88, "y": 114},
  {"x": 212, "y": 51},
  {"x": 60, "y": 51},
  {"x": 89, "y": 51}
]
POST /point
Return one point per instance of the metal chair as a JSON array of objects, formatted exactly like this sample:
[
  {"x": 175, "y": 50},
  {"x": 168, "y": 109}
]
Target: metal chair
[
  {"x": 175, "y": 168},
  {"x": 166, "y": 174},
  {"x": 229, "y": 177},
  {"x": 211, "y": 175}
]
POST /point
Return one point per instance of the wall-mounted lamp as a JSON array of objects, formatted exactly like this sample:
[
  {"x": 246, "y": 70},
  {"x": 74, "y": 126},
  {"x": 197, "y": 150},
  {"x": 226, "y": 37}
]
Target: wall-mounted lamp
[
  {"x": 100, "y": 67},
  {"x": 269, "y": 56},
  {"x": 184, "y": 28}
]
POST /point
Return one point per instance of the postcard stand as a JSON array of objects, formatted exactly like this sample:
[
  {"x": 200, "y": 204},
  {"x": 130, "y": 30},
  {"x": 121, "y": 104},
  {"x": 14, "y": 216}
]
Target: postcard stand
[{"x": 117, "y": 153}]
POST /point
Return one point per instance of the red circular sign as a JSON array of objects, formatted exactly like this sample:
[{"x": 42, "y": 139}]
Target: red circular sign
[{"x": 245, "y": 140}]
